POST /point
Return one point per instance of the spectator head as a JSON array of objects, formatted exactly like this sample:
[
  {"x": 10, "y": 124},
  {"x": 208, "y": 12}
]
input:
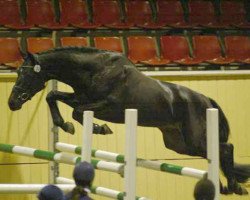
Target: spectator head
[
  {"x": 204, "y": 190},
  {"x": 50, "y": 192},
  {"x": 84, "y": 174}
]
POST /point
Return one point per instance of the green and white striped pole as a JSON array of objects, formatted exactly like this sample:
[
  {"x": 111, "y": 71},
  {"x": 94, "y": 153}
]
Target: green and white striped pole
[
  {"x": 65, "y": 185},
  {"x": 154, "y": 165},
  {"x": 102, "y": 191},
  {"x": 60, "y": 157}
]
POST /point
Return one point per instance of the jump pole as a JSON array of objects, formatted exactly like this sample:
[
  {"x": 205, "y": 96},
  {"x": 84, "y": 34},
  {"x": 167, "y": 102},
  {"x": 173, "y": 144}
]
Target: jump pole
[
  {"x": 130, "y": 153},
  {"x": 130, "y": 148},
  {"x": 87, "y": 135},
  {"x": 102, "y": 191},
  {"x": 213, "y": 148},
  {"x": 154, "y": 165},
  {"x": 60, "y": 157},
  {"x": 30, "y": 188}
]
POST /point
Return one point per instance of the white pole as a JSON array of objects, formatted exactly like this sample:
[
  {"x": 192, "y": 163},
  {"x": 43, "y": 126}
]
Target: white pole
[
  {"x": 213, "y": 148},
  {"x": 63, "y": 180},
  {"x": 30, "y": 188},
  {"x": 130, "y": 153},
  {"x": 87, "y": 135}
]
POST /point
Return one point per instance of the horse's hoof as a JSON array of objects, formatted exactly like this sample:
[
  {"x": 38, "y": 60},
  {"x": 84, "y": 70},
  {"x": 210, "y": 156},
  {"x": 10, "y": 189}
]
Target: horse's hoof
[
  {"x": 224, "y": 190},
  {"x": 241, "y": 190},
  {"x": 105, "y": 130},
  {"x": 69, "y": 128},
  {"x": 102, "y": 130}
]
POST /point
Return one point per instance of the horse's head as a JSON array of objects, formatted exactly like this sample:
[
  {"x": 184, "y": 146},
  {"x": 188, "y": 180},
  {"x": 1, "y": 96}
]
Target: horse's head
[{"x": 30, "y": 80}]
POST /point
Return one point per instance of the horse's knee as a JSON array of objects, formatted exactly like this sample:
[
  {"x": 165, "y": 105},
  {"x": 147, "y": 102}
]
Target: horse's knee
[
  {"x": 51, "y": 96},
  {"x": 78, "y": 116},
  {"x": 58, "y": 121}
]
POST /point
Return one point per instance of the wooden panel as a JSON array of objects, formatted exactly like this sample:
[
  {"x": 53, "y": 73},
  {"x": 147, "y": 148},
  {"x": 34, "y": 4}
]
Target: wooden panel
[
  {"x": 23, "y": 173},
  {"x": 26, "y": 127}
]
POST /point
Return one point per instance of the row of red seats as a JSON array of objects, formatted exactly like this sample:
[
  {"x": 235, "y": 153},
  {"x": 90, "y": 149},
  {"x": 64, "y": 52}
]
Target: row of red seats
[
  {"x": 73, "y": 13},
  {"x": 142, "y": 49}
]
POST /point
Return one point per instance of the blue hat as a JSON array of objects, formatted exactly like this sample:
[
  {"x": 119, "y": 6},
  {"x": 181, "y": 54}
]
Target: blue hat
[
  {"x": 50, "y": 192},
  {"x": 84, "y": 172}
]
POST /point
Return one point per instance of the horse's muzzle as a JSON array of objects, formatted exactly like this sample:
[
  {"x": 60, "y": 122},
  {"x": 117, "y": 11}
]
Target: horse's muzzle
[{"x": 14, "y": 105}]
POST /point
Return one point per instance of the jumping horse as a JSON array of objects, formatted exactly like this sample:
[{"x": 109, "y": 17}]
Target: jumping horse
[{"x": 107, "y": 83}]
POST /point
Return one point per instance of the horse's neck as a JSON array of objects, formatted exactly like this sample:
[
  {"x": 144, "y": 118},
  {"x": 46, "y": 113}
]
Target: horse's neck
[{"x": 60, "y": 68}]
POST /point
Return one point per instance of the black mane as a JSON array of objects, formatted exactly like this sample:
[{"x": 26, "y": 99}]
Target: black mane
[{"x": 72, "y": 49}]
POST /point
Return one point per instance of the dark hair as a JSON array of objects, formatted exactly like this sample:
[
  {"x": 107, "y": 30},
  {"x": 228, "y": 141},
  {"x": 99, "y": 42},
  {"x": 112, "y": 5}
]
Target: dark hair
[
  {"x": 50, "y": 192},
  {"x": 78, "y": 192},
  {"x": 204, "y": 190},
  {"x": 83, "y": 174}
]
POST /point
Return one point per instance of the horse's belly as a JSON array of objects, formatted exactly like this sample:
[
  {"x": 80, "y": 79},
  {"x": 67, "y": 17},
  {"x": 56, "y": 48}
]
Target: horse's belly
[
  {"x": 113, "y": 115},
  {"x": 146, "y": 118},
  {"x": 153, "y": 118}
]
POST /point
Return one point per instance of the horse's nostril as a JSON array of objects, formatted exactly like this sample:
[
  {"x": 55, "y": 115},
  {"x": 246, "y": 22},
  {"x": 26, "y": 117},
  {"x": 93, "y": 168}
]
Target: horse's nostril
[{"x": 13, "y": 105}]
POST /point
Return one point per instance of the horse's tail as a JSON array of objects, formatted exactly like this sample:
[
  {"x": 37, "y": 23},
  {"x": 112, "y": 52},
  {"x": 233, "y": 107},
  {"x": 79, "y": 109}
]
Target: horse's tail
[
  {"x": 223, "y": 123},
  {"x": 240, "y": 171}
]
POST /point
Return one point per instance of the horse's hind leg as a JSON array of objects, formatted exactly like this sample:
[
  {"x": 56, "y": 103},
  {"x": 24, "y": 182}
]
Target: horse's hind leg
[
  {"x": 173, "y": 139},
  {"x": 227, "y": 166}
]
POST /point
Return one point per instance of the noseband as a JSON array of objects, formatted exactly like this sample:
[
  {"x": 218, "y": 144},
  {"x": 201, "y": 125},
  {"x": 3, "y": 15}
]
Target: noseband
[
  {"x": 27, "y": 93},
  {"x": 24, "y": 95}
]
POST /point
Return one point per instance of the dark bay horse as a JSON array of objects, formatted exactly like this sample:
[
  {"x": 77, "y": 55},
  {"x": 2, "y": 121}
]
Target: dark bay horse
[{"x": 107, "y": 83}]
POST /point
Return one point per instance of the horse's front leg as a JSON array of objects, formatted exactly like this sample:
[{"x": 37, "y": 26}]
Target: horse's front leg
[
  {"x": 67, "y": 98},
  {"x": 97, "y": 129}
]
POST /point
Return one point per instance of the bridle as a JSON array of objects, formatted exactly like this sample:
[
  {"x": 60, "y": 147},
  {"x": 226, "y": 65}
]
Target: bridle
[
  {"x": 24, "y": 94},
  {"x": 27, "y": 93}
]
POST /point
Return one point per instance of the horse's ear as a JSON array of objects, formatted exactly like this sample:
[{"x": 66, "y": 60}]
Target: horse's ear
[
  {"x": 31, "y": 57},
  {"x": 27, "y": 55},
  {"x": 23, "y": 54}
]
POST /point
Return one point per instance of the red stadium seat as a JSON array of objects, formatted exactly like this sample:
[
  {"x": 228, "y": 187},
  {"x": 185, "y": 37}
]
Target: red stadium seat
[
  {"x": 74, "y": 41},
  {"x": 40, "y": 13},
  {"x": 107, "y": 13},
  {"x": 142, "y": 49},
  {"x": 176, "y": 50},
  {"x": 238, "y": 48},
  {"x": 202, "y": 13},
  {"x": 74, "y": 13},
  {"x": 170, "y": 13},
  {"x": 139, "y": 13},
  {"x": 10, "y": 15},
  {"x": 38, "y": 44},
  {"x": 108, "y": 43},
  {"x": 233, "y": 13},
  {"x": 207, "y": 49},
  {"x": 10, "y": 53}
]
